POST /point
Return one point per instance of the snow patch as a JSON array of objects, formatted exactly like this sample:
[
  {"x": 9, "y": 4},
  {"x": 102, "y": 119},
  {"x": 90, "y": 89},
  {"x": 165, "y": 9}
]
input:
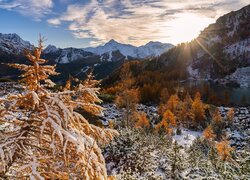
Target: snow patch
[
  {"x": 110, "y": 56},
  {"x": 186, "y": 137},
  {"x": 241, "y": 76},
  {"x": 193, "y": 72},
  {"x": 239, "y": 49},
  {"x": 64, "y": 60}
]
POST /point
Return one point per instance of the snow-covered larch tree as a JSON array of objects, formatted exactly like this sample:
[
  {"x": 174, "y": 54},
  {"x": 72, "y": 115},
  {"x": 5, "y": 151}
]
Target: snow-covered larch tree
[{"x": 41, "y": 134}]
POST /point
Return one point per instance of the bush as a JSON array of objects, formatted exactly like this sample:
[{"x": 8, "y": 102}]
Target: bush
[
  {"x": 178, "y": 131},
  {"x": 138, "y": 155}
]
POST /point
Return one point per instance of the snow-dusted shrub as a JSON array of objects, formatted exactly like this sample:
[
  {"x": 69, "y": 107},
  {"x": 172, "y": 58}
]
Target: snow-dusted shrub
[
  {"x": 204, "y": 162},
  {"x": 41, "y": 134},
  {"x": 139, "y": 155},
  {"x": 178, "y": 131},
  {"x": 243, "y": 159}
]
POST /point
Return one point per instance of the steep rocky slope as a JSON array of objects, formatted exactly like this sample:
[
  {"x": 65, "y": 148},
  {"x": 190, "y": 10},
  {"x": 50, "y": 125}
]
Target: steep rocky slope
[{"x": 221, "y": 53}]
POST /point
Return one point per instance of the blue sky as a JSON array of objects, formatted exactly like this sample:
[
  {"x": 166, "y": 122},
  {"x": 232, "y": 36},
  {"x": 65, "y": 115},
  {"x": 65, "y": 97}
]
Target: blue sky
[{"x": 82, "y": 23}]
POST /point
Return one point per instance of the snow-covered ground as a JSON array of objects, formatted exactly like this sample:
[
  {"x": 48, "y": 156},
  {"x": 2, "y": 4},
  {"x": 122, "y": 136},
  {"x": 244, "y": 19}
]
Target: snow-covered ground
[
  {"x": 111, "y": 112},
  {"x": 239, "y": 133},
  {"x": 186, "y": 137},
  {"x": 194, "y": 73},
  {"x": 7, "y": 88}
]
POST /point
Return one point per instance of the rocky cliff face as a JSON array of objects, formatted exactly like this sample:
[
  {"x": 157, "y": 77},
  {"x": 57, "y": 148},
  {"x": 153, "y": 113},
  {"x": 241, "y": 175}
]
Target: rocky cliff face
[
  {"x": 224, "y": 46},
  {"x": 13, "y": 44},
  {"x": 220, "y": 50}
]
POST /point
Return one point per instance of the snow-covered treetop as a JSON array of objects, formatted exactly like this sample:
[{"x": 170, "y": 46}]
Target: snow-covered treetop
[{"x": 42, "y": 136}]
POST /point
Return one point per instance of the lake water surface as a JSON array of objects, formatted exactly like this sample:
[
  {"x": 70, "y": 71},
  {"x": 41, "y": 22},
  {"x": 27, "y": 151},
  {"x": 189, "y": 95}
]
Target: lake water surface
[{"x": 235, "y": 95}]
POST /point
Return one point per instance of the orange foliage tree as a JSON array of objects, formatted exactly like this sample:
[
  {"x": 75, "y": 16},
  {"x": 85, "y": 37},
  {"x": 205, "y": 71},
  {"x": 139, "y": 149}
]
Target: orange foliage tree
[
  {"x": 43, "y": 136},
  {"x": 171, "y": 104},
  {"x": 35, "y": 74},
  {"x": 198, "y": 110},
  {"x": 142, "y": 121},
  {"x": 150, "y": 92},
  {"x": 208, "y": 133},
  {"x": 164, "y": 95},
  {"x": 126, "y": 79},
  {"x": 128, "y": 99},
  {"x": 218, "y": 123},
  {"x": 224, "y": 150},
  {"x": 167, "y": 122},
  {"x": 217, "y": 117},
  {"x": 185, "y": 114}
]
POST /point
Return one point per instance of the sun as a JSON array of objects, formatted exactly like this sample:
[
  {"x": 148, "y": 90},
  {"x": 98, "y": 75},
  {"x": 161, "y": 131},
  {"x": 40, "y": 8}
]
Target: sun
[{"x": 186, "y": 27}]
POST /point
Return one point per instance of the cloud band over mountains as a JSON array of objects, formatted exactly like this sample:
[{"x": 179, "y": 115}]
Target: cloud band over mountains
[{"x": 127, "y": 21}]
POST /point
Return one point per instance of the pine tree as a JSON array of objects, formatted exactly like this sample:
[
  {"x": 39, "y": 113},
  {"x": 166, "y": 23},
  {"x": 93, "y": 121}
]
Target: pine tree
[
  {"x": 138, "y": 155},
  {"x": 68, "y": 84},
  {"x": 208, "y": 133},
  {"x": 164, "y": 96},
  {"x": 168, "y": 121},
  {"x": 217, "y": 117},
  {"x": 35, "y": 74},
  {"x": 218, "y": 123},
  {"x": 176, "y": 162},
  {"x": 128, "y": 99},
  {"x": 50, "y": 140},
  {"x": 173, "y": 103},
  {"x": 185, "y": 115},
  {"x": 224, "y": 150},
  {"x": 198, "y": 110},
  {"x": 142, "y": 121}
]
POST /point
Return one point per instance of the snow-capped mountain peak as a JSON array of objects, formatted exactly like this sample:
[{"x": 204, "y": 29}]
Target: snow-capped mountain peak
[
  {"x": 50, "y": 49},
  {"x": 12, "y": 43},
  {"x": 150, "y": 49},
  {"x": 153, "y": 48},
  {"x": 111, "y": 51},
  {"x": 112, "y": 42}
]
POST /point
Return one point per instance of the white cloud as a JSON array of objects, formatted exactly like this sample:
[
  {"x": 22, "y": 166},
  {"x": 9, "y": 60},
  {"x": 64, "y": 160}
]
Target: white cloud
[
  {"x": 54, "y": 22},
  {"x": 35, "y": 9},
  {"x": 140, "y": 21}
]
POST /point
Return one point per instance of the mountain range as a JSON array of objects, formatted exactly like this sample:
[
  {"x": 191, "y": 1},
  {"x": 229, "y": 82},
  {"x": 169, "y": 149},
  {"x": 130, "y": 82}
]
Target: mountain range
[
  {"x": 103, "y": 60},
  {"x": 112, "y": 51},
  {"x": 221, "y": 52},
  {"x": 151, "y": 49},
  {"x": 75, "y": 61}
]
